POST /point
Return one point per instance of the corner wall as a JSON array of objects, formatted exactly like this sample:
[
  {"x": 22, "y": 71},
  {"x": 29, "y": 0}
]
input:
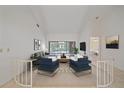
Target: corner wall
[
  {"x": 85, "y": 37},
  {"x": 17, "y": 38}
]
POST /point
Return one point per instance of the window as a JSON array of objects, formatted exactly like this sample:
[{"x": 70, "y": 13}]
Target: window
[{"x": 58, "y": 47}]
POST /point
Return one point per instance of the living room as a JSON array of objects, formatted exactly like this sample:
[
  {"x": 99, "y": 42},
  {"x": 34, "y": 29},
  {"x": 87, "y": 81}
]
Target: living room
[{"x": 21, "y": 25}]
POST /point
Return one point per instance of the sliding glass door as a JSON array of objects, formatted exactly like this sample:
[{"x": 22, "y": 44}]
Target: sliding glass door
[
  {"x": 58, "y": 47},
  {"x": 53, "y": 47},
  {"x": 62, "y": 47}
]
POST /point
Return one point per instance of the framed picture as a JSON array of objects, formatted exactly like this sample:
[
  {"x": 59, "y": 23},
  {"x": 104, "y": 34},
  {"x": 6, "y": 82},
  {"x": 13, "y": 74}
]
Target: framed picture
[
  {"x": 112, "y": 42},
  {"x": 37, "y": 44}
]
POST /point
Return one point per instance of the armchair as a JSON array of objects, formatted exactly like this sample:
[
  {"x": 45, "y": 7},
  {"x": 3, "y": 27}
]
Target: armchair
[
  {"x": 81, "y": 65},
  {"x": 47, "y": 66}
]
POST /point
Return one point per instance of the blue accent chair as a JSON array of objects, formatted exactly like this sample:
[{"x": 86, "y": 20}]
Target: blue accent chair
[
  {"x": 46, "y": 64},
  {"x": 81, "y": 65}
]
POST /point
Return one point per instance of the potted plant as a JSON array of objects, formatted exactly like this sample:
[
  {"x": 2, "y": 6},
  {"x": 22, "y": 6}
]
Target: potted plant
[{"x": 75, "y": 50}]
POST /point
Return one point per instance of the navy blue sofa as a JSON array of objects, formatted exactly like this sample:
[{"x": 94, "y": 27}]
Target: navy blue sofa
[
  {"x": 47, "y": 64},
  {"x": 81, "y": 65}
]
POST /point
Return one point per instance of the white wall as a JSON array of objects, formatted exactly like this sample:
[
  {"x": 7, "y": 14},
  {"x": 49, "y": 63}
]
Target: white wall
[
  {"x": 84, "y": 37},
  {"x": 114, "y": 25},
  {"x": 1, "y": 27},
  {"x": 18, "y": 31},
  {"x": 110, "y": 22}
]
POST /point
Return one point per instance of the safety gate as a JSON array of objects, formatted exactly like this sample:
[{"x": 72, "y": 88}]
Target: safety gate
[
  {"x": 104, "y": 73},
  {"x": 23, "y": 73}
]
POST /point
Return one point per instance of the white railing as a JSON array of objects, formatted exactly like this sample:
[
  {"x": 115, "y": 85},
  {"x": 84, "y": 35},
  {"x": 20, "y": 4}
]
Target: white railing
[
  {"x": 104, "y": 73},
  {"x": 23, "y": 73}
]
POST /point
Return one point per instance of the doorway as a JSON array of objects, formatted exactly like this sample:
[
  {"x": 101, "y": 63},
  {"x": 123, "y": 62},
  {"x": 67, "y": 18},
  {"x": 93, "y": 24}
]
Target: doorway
[{"x": 95, "y": 49}]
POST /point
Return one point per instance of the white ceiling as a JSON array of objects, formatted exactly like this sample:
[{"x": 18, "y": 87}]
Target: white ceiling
[
  {"x": 63, "y": 18},
  {"x": 67, "y": 19}
]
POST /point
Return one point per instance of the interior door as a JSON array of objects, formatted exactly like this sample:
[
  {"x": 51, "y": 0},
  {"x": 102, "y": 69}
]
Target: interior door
[{"x": 95, "y": 49}]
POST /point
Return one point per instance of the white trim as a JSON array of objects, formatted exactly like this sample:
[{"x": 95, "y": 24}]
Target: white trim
[
  {"x": 21, "y": 73},
  {"x": 104, "y": 73}
]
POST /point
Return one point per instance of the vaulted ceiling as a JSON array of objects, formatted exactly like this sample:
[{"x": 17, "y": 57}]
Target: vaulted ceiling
[
  {"x": 61, "y": 19},
  {"x": 67, "y": 18}
]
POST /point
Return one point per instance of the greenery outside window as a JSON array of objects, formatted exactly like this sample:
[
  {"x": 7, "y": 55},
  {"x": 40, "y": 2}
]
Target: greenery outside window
[{"x": 58, "y": 47}]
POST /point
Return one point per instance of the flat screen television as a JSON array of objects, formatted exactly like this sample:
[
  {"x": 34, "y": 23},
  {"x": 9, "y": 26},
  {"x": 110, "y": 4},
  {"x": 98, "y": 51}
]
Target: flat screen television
[{"x": 83, "y": 46}]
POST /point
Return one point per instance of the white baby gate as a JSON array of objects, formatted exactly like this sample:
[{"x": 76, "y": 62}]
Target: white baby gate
[
  {"x": 104, "y": 73},
  {"x": 23, "y": 73}
]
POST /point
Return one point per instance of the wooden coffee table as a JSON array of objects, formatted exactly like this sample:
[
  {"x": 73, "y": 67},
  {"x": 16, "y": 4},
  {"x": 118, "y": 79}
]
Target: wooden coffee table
[{"x": 63, "y": 60}]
